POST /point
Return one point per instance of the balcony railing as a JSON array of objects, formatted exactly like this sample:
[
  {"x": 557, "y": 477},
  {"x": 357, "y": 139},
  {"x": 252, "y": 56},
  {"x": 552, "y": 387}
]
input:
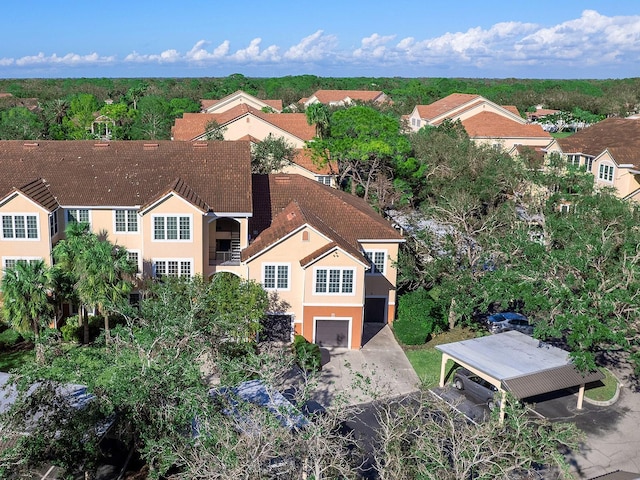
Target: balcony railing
[{"x": 228, "y": 257}]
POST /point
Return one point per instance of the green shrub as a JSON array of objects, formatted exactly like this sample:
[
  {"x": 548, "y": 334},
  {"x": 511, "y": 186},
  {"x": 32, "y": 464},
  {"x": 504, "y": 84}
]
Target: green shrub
[
  {"x": 233, "y": 350},
  {"x": 418, "y": 317},
  {"x": 9, "y": 337},
  {"x": 308, "y": 355},
  {"x": 71, "y": 331}
]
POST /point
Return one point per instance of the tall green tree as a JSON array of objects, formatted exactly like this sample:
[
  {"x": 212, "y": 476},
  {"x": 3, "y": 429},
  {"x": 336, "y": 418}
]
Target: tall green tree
[
  {"x": 366, "y": 144},
  {"x": 271, "y": 155},
  {"x": 153, "y": 119},
  {"x": 27, "y": 304},
  {"x": 19, "y": 123},
  {"x": 318, "y": 114}
]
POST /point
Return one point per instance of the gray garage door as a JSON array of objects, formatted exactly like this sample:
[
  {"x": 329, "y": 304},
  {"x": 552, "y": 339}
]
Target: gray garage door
[
  {"x": 332, "y": 333},
  {"x": 374, "y": 310}
]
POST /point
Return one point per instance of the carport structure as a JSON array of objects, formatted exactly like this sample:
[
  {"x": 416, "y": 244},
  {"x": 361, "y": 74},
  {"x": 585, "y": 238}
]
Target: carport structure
[{"x": 516, "y": 363}]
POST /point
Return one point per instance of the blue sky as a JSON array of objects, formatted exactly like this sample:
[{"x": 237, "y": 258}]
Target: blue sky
[{"x": 272, "y": 38}]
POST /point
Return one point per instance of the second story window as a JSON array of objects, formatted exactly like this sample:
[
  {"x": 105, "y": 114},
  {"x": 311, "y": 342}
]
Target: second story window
[
  {"x": 605, "y": 173},
  {"x": 126, "y": 221},
  {"x": 172, "y": 227},
  {"x": 324, "y": 179},
  {"x": 334, "y": 281},
  {"x": 20, "y": 227},
  {"x": 53, "y": 223},
  {"x": 172, "y": 267},
  {"x": 377, "y": 259},
  {"x": 78, "y": 215},
  {"x": 275, "y": 277}
]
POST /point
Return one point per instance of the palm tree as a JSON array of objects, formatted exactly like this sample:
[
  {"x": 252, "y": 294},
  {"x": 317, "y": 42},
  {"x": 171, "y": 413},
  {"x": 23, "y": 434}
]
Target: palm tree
[
  {"x": 318, "y": 115},
  {"x": 27, "y": 301},
  {"x": 104, "y": 277},
  {"x": 67, "y": 255},
  {"x": 99, "y": 271}
]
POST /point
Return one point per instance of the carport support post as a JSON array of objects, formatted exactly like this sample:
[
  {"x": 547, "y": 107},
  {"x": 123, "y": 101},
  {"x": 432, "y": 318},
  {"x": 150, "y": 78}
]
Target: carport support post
[
  {"x": 443, "y": 364},
  {"x": 580, "y": 396},
  {"x": 503, "y": 401}
]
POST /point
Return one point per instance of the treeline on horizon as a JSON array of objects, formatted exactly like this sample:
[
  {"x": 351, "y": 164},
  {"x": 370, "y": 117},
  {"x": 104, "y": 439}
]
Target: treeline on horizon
[{"x": 611, "y": 97}]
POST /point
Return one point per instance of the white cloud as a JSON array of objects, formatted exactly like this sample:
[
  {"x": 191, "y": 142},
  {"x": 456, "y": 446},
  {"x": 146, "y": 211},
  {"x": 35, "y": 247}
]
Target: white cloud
[
  {"x": 168, "y": 56},
  {"x": 373, "y": 46},
  {"x": 312, "y": 48},
  {"x": 70, "y": 59},
  {"x": 253, "y": 54},
  {"x": 592, "y": 39}
]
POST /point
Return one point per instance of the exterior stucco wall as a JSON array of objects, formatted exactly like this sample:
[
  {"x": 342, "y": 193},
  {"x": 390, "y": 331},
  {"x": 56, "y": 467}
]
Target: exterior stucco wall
[
  {"x": 258, "y": 128},
  {"x": 26, "y": 248},
  {"x": 185, "y": 249}
]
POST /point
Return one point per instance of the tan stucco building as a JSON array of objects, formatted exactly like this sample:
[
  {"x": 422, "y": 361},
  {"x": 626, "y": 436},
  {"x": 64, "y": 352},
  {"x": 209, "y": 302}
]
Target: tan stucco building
[{"x": 193, "y": 208}]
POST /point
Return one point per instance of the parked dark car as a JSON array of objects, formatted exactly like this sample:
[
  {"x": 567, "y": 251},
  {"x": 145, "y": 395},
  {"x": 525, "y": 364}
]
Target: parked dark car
[
  {"x": 476, "y": 387},
  {"x": 505, "y": 321}
]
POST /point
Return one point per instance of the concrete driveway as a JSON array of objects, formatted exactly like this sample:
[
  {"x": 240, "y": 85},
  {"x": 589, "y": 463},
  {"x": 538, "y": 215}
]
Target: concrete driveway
[{"x": 379, "y": 369}]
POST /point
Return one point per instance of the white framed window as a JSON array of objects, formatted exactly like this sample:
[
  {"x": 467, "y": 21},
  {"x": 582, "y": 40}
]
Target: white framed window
[
  {"x": 573, "y": 160},
  {"x": 53, "y": 223},
  {"x": 378, "y": 260},
  {"x": 173, "y": 228},
  {"x": 78, "y": 215},
  {"x": 172, "y": 267},
  {"x": 334, "y": 281},
  {"x": 275, "y": 276},
  {"x": 588, "y": 163},
  {"x": 134, "y": 257},
  {"x": 324, "y": 179},
  {"x": 605, "y": 172},
  {"x": 19, "y": 226},
  {"x": 126, "y": 221},
  {"x": 11, "y": 262}
]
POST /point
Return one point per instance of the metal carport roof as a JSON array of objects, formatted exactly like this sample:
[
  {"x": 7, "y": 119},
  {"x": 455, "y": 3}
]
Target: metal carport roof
[{"x": 517, "y": 363}]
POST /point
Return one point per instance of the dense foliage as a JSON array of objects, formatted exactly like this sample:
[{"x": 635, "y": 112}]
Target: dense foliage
[{"x": 66, "y": 108}]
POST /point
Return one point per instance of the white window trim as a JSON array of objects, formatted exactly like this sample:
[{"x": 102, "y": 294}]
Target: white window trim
[
  {"x": 154, "y": 261},
  {"x": 177, "y": 216},
  {"x": 328, "y": 293},
  {"x": 19, "y": 257},
  {"x": 371, "y": 262},
  {"x": 126, "y": 231},
  {"x": 277, "y": 264},
  {"x": 25, "y": 215},
  {"x": 139, "y": 265},
  {"x": 66, "y": 214},
  {"x": 54, "y": 223},
  {"x": 613, "y": 172}
]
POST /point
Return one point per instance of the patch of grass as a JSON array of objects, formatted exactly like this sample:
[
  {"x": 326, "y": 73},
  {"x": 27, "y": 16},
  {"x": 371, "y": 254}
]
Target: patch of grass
[
  {"x": 606, "y": 391},
  {"x": 16, "y": 357},
  {"x": 426, "y": 360},
  {"x": 562, "y": 134}
]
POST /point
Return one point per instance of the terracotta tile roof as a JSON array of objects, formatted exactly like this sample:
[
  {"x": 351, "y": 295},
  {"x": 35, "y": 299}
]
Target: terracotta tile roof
[
  {"x": 512, "y": 108},
  {"x": 131, "y": 173},
  {"x": 444, "y": 105},
  {"x": 620, "y": 136},
  {"x": 313, "y": 256},
  {"x": 343, "y": 218},
  {"x": 193, "y": 125},
  {"x": 493, "y": 125},
  {"x": 293, "y": 123},
  {"x": 541, "y": 112},
  {"x": 185, "y": 191},
  {"x": 38, "y": 191},
  {"x": 305, "y": 160},
  {"x": 275, "y": 104},
  {"x": 328, "y": 96},
  {"x": 204, "y": 103}
]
